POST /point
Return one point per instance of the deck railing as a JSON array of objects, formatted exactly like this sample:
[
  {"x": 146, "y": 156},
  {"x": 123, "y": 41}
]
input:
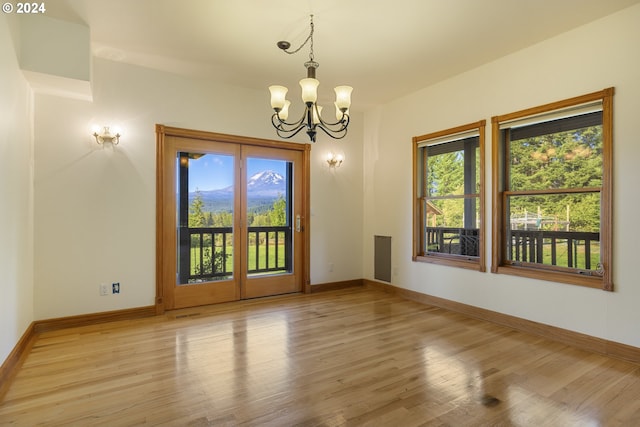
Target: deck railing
[
  {"x": 271, "y": 249},
  {"x": 573, "y": 249},
  {"x": 453, "y": 240},
  {"x": 206, "y": 252}
]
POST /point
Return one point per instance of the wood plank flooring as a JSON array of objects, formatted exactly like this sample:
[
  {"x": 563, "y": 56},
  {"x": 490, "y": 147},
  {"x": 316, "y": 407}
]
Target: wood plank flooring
[{"x": 342, "y": 358}]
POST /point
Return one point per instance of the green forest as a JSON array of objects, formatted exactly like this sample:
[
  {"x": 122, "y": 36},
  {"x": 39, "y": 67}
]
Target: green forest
[
  {"x": 216, "y": 262},
  {"x": 259, "y": 217},
  {"x": 561, "y": 161}
]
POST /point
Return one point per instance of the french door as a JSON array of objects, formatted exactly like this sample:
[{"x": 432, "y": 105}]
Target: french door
[{"x": 232, "y": 215}]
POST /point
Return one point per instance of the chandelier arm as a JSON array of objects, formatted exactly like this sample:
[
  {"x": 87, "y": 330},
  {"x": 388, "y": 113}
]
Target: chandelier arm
[
  {"x": 343, "y": 122},
  {"x": 287, "y": 134},
  {"x": 335, "y": 134},
  {"x": 287, "y": 130},
  {"x": 278, "y": 123}
]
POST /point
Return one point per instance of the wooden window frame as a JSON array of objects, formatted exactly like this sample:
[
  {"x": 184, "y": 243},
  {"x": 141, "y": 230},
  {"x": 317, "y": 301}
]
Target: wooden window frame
[
  {"x": 543, "y": 272},
  {"x": 419, "y": 254}
]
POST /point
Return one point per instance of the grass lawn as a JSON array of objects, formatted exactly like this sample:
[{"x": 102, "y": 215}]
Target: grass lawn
[{"x": 262, "y": 259}]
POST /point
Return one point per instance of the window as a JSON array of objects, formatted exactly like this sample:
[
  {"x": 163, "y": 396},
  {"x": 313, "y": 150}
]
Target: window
[
  {"x": 552, "y": 191},
  {"x": 448, "y": 197}
]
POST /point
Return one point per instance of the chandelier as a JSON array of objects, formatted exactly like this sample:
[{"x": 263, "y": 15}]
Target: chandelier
[{"x": 311, "y": 119}]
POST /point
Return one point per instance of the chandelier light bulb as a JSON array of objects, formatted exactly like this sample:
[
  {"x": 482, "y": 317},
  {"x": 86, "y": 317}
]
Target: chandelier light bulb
[
  {"x": 339, "y": 114},
  {"x": 317, "y": 111},
  {"x": 278, "y": 94},
  {"x": 343, "y": 97},
  {"x": 284, "y": 113},
  {"x": 309, "y": 90}
]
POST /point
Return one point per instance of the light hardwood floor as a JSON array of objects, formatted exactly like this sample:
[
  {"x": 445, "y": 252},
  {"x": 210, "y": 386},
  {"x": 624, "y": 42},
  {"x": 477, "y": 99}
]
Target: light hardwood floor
[{"x": 350, "y": 357}]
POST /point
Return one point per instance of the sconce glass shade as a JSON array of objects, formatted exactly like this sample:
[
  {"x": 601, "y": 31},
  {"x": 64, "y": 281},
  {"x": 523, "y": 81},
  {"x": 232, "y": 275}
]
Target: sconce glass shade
[
  {"x": 309, "y": 90},
  {"x": 278, "y": 94},
  {"x": 343, "y": 97}
]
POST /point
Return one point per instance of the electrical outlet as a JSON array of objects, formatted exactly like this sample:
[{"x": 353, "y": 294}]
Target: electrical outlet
[
  {"x": 330, "y": 267},
  {"x": 115, "y": 288},
  {"x": 104, "y": 289}
]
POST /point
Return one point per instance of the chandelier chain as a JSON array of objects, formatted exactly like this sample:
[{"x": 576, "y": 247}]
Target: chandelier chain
[{"x": 309, "y": 38}]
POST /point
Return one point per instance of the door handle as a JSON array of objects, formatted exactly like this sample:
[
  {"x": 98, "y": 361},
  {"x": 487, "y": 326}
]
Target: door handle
[{"x": 298, "y": 223}]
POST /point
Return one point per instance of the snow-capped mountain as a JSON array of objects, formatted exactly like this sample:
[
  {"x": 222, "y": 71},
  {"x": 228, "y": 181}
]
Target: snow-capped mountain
[
  {"x": 268, "y": 180},
  {"x": 263, "y": 188}
]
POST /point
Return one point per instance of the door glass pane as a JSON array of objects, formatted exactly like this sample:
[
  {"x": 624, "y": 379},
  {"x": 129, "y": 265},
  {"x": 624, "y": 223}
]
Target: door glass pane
[
  {"x": 269, "y": 233},
  {"x": 205, "y": 217}
]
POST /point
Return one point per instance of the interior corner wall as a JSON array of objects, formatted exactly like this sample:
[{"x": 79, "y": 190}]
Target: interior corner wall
[
  {"x": 588, "y": 59},
  {"x": 54, "y": 47},
  {"x": 95, "y": 204},
  {"x": 16, "y": 193},
  {"x": 336, "y": 207}
]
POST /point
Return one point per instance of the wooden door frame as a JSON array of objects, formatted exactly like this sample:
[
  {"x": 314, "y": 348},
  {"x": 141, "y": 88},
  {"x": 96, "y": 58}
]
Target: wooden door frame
[{"x": 163, "y": 131}]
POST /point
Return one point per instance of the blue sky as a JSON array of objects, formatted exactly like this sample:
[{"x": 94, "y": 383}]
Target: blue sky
[{"x": 215, "y": 171}]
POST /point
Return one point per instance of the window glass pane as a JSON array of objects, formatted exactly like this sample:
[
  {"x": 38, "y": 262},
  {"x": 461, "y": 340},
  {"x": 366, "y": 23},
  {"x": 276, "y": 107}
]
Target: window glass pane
[
  {"x": 446, "y": 231},
  {"x": 571, "y": 159},
  {"x": 445, "y": 174},
  {"x": 446, "y": 171},
  {"x": 559, "y": 229}
]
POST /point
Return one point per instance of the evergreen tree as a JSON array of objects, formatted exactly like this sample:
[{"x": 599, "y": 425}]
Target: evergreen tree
[
  {"x": 277, "y": 215},
  {"x": 196, "y": 213},
  {"x": 564, "y": 160}
]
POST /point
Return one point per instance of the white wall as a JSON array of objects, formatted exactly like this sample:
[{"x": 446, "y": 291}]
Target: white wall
[
  {"x": 593, "y": 57},
  {"x": 336, "y": 208},
  {"x": 16, "y": 194},
  {"x": 55, "y": 47},
  {"x": 95, "y": 205}
]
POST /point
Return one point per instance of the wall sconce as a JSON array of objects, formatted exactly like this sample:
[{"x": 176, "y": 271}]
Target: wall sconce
[
  {"x": 334, "y": 160},
  {"x": 106, "y": 136}
]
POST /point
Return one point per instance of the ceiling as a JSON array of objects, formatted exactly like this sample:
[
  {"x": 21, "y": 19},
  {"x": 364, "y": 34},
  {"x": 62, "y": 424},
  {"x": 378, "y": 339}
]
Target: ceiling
[{"x": 384, "y": 49}]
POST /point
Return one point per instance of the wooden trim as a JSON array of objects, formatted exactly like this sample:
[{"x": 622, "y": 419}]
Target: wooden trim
[
  {"x": 306, "y": 219},
  {"x": 478, "y": 264},
  {"x": 606, "y": 207},
  {"x": 575, "y": 339},
  {"x": 334, "y": 286},
  {"x": 163, "y": 298},
  {"x": 418, "y": 239},
  {"x": 93, "y": 318},
  {"x": 234, "y": 139},
  {"x": 547, "y": 273},
  {"x": 500, "y": 191},
  {"x": 16, "y": 358},
  {"x": 553, "y": 191},
  {"x": 558, "y": 105},
  {"x": 482, "y": 125},
  {"x": 451, "y": 261},
  {"x": 496, "y": 196},
  {"x": 159, "y": 300},
  {"x": 451, "y": 131}
]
